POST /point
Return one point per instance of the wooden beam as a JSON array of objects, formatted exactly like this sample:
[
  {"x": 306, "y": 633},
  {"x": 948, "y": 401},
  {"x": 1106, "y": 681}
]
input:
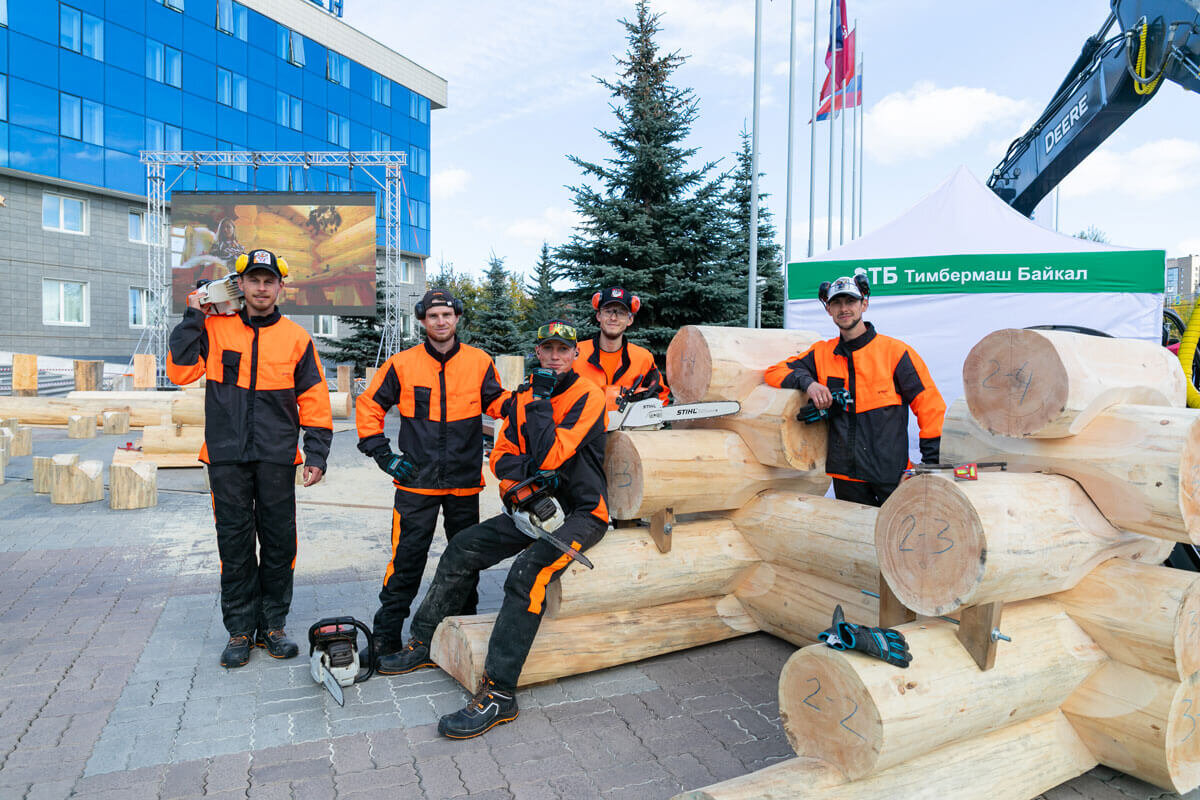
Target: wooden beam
[
  {"x": 979, "y": 632},
  {"x": 173, "y": 439},
  {"x": 89, "y": 375},
  {"x": 24, "y": 375},
  {"x": 145, "y": 371},
  {"x": 345, "y": 378},
  {"x": 662, "y": 525},
  {"x": 892, "y": 613},
  {"x": 511, "y": 371}
]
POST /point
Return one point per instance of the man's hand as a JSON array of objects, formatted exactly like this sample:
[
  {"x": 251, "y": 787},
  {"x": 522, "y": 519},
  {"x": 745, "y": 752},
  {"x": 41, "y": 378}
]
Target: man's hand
[
  {"x": 313, "y": 475},
  {"x": 542, "y": 381},
  {"x": 193, "y": 301},
  {"x": 400, "y": 467},
  {"x": 820, "y": 395}
]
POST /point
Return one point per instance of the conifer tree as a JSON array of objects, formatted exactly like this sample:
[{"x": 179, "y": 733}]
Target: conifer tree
[
  {"x": 361, "y": 346},
  {"x": 770, "y": 255},
  {"x": 652, "y": 222},
  {"x": 544, "y": 301},
  {"x": 495, "y": 327},
  {"x": 465, "y": 289}
]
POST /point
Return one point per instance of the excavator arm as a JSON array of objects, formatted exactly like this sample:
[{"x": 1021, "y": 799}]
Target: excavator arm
[{"x": 1116, "y": 73}]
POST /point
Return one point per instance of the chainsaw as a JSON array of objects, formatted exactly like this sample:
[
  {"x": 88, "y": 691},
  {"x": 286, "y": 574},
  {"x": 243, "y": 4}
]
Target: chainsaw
[
  {"x": 223, "y": 296},
  {"x": 642, "y": 408},
  {"x": 961, "y": 472},
  {"x": 537, "y": 514},
  {"x": 333, "y": 654}
]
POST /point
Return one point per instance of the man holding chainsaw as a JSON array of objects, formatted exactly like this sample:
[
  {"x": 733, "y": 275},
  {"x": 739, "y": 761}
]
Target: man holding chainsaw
[
  {"x": 264, "y": 382},
  {"x": 610, "y": 360},
  {"x": 441, "y": 388},
  {"x": 549, "y": 457},
  {"x": 866, "y": 382}
]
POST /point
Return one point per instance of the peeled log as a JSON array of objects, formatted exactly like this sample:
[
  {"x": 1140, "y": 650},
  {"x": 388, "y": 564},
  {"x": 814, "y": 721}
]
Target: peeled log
[
  {"x": 172, "y": 439},
  {"x": 43, "y": 474},
  {"x": 81, "y": 426},
  {"x": 22, "y": 438},
  {"x": 341, "y": 404},
  {"x": 132, "y": 486},
  {"x": 583, "y": 644},
  {"x": 1143, "y": 615},
  {"x": 690, "y": 471},
  {"x": 796, "y": 606},
  {"x": 945, "y": 544},
  {"x": 706, "y": 362},
  {"x": 863, "y": 715},
  {"x": 73, "y": 481},
  {"x": 1140, "y": 723},
  {"x": 707, "y": 558},
  {"x": 1014, "y": 763},
  {"x": 1048, "y": 384},
  {"x": 1139, "y": 464},
  {"x": 767, "y": 424},
  {"x": 832, "y": 539}
]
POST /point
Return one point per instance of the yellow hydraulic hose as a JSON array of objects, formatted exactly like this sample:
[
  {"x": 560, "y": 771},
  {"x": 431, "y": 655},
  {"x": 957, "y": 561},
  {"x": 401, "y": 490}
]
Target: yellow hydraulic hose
[
  {"x": 1187, "y": 351},
  {"x": 1146, "y": 88}
]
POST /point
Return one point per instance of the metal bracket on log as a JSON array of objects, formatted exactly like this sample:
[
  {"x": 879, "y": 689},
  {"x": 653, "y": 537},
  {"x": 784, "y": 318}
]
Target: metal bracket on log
[
  {"x": 979, "y": 632},
  {"x": 891, "y": 611},
  {"x": 661, "y": 525}
]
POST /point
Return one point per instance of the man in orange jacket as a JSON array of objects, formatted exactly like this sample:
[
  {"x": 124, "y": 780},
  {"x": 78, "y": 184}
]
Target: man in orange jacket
[
  {"x": 441, "y": 388},
  {"x": 263, "y": 383},
  {"x": 609, "y": 359},
  {"x": 867, "y": 449}
]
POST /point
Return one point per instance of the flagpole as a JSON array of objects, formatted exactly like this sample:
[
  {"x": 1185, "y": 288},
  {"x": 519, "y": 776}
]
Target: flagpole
[
  {"x": 832, "y": 118},
  {"x": 842, "y": 168},
  {"x": 862, "y": 159},
  {"x": 752, "y": 295},
  {"x": 787, "y": 223},
  {"x": 854, "y": 150},
  {"x": 812, "y": 146}
]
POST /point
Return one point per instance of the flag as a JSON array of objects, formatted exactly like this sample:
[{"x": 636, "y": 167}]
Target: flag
[
  {"x": 849, "y": 97},
  {"x": 843, "y": 40}
]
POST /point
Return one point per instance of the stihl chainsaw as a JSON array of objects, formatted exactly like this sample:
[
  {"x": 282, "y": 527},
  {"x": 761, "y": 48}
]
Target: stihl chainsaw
[
  {"x": 640, "y": 407},
  {"x": 537, "y": 514},
  {"x": 961, "y": 472},
  {"x": 221, "y": 297}
]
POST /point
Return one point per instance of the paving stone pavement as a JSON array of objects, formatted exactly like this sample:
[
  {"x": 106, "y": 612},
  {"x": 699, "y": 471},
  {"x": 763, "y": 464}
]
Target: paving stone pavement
[{"x": 110, "y": 687}]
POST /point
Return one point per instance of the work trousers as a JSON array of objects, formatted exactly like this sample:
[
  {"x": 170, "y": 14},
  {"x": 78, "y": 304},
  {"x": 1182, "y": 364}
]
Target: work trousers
[
  {"x": 414, "y": 518},
  {"x": 869, "y": 494},
  {"x": 255, "y": 504},
  {"x": 537, "y": 564}
]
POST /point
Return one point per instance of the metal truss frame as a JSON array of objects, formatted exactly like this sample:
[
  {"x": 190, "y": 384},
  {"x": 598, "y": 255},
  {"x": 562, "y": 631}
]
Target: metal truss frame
[{"x": 154, "y": 337}]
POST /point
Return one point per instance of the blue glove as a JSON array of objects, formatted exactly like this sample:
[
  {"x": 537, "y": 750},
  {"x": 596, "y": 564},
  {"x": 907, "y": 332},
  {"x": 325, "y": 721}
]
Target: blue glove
[
  {"x": 542, "y": 381},
  {"x": 400, "y": 467},
  {"x": 882, "y": 643}
]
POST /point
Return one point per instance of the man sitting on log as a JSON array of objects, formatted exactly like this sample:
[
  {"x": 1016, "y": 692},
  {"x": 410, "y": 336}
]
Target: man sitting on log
[
  {"x": 551, "y": 437},
  {"x": 441, "y": 388},
  {"x": 609, "y": 359},
  {"x": 877, "y": 378}
]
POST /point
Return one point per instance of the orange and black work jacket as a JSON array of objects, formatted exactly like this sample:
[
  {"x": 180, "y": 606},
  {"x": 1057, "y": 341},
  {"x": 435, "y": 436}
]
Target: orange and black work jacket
[
  {"x": 884, "y": 376},
  {"x": 563, "y": 432},
  {"x": 635, "y": 368},
  {"x": 441, "y": 398},
  {"x": 263, "y": 382}
]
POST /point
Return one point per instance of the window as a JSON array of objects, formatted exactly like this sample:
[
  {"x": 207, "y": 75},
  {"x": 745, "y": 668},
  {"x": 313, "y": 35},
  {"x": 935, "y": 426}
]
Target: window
[
  {"x": 81, "y": 119},
  {"x": 4, "y": 13},
  {"x": 381, "y": 89},
  {"x": 418, "y": 108},
  {"x": 418, "y": 160},
  {"x": 64, "y": 302},
  {"x": 3, "y": 95},
  {"x": 289, "y": 111},
  {"x": 337, "y": 68},
  {"x": 325, "y": 325},
  {"x": 175, "y": 4},
  {"x": 139, "y": 304},
  {"x": 137, "y": 226},
  {"x": 291, "y": 46},
  {"x": 418, "y": 213},
  {"x": 81, "y": 32},
  {"x": 160, "y": 136},
  {"x": 339, "y": 130},
  {"x": 337, "y": 183},
  {"x": 163, "y": 63},
  {"x": 406, "y": 326},
  {"x": 231, "y": 89},
  {"x": 62, "y": 213},
  {"x": 1172, "y": 280},
  {"x": 239, "y": 172},
  {"x": 231, "y": 18},
  {"x": 408, "y": 268},
  {"x": 380, "y": 141}
]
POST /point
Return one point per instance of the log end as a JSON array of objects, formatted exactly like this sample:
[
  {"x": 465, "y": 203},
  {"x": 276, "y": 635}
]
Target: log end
[
  {"x": 931, "y": 545},
  {"x": 1183, "y": 737},
  {"x": 623, "y": 471},
  {"x": 1187, "y": 632},
  {"x": 459, "y": 647},
  {"x": 1015, "y": 383},
  {"x": 689, "y": 365}
]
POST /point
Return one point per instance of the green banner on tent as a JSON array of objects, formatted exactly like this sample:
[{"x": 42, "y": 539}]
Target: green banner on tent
[{"x": 1010, "y": 273}]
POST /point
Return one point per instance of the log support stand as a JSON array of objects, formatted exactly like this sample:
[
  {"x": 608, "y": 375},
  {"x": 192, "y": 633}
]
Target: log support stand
[
  {"x": 979, "y": 632},
  {"x": 662, "y": 523}
]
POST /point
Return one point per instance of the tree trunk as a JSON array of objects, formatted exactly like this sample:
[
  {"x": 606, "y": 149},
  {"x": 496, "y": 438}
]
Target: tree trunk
[
  {"x": 74, "y": 481},
  {"x": 706, "y": 362},
  {"x": 1048, "y": 384},
  {"x": 173, "y": 439},
  {"x": 944, "y": 544},
  {"x": 796, "y": 606},
  {"x": 132, "y": 486},
  {"x": 767, "y": 424}
]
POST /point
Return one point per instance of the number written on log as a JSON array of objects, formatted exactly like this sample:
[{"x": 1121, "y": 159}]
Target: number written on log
[
  {"x": 990, "y": 375},
  {"x": 1187, "y": 704},
  {"x": 847, "y": 727},
  {"x": 1020, "y": 379},
  {"x": 842, "y": 722},
  {"x": 944, "y": 542},
  {"x": 814, "y": 691},
  {"x": 624, "y": 475}
]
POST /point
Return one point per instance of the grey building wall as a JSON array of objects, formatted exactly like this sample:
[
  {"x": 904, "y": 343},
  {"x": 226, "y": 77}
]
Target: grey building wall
[{"x": 1183, "y": 276}]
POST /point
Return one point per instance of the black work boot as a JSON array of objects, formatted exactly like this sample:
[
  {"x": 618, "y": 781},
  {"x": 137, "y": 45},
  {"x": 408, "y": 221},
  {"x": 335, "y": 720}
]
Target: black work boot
[
  {"x": 237, "y": 651},
  {"x": 383, "y": 647},
  {"x": 414, "y": 656},
  {"x": 491, "y": 706},
  {"x": 277, "y": 643}
]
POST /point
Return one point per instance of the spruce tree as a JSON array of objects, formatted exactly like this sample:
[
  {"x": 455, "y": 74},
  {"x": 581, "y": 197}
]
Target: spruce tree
[
  {"x": 465, "y": 289},
  {"x": 545, "y": 302},
  {"x": 770, "y": 255},
  {"x": 653, "y": 222},
  {"x": 361, "y": 346},
  {"x": 495, "y": 327}
]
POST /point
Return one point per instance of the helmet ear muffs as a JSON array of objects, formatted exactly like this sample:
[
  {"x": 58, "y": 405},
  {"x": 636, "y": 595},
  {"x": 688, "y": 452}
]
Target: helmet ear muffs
[
  {"x": 242, "y": 262},
  {"x": 419, "y": 310},
  {"x": 823, "y": 292},
  {"x": 283, "y": 265},
  {"x": 864, "y": 285},
  {"x": 596, "y": 301},
  {"x": 635, "y": 303}
]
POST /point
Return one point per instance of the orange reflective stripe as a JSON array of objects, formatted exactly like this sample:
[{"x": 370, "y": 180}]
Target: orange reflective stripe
[
  {"x": 537, "y": 593},
  {"x": 391, "y": 567}
]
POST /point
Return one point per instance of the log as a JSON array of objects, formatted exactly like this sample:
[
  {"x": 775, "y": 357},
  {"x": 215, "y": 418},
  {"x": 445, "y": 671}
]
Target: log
[
  {"x": 73, "y": 481},
  {"x": 832, "y": 539},
  {"x": 6, "y": 440},
  {"x": 945, "y": 544},
  {"x": 863, "y": 715},
  {"x": 43, "y": 474},
  {"x": 81, "y": 426},
  {"x": 89, "y": 375},
  {"x": 767, "y": 424},
  {"x": 22, "y": 441},
  {"x": 148, "y": 408},
  {"x": 115, "y": 422},
  {"x": 345, "y": 377},
  {"x": 796, "y": 606},
  {"x": 1014, "y": 763},
  {"x": 1047, "y": 384},
  {"x": 708, "y": 558},
  {"x": 1140, "y": 723},
  {"x": 690, "y": 471},
  {"x": 24, "y": 375},
  {"x": 1139, "y": 464},
  {"x": 145, "y": 371},
  {"x": 1143, "y": 615},
  {"x": 582, "y": 644},
  {"x": 172, "y": 439},
  {"x": 706, "y": 362},
  {"x": 132, "y": 486},
  {"x": 511, "y": 371},
  {"x": 341, "y": 404}
]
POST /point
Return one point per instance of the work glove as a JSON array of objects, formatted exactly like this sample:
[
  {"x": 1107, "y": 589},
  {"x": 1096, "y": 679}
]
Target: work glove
[
  {"x": 882, "y": 643},
  {"x": 543, "y": 381},
  {"x": 400, "y": 467}
]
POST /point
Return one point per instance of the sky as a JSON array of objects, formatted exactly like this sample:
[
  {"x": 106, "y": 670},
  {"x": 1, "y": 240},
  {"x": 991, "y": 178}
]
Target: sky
[{"x": 944, "y": 82}]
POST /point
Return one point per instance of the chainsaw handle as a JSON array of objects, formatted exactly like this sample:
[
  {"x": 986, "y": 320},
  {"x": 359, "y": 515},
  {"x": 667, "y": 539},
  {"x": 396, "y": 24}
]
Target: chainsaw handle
[{"x": 327, "y": 622}]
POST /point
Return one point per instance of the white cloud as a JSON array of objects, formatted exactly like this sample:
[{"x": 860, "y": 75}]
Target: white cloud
[
  {"x": 553, "y": 224},
  {"x": 925, "y": 119},
  {"x": 446, "y": 183},
  {"x": 1148, "y": 172}
]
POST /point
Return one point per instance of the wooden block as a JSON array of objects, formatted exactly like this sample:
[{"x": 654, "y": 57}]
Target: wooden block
[
  {"x": 341, "y": 405},
  {"x": 22, "y": 443},
  {"x": 299, "y": 474},
  {"x": 116, "y": 421},
  {"x": 24, "y": 375},
  {"x": 81, "y": 426},
  {"x": 662, "y": 523},
  {"x": 163, "y": 460},
  {"x": 145, "y": 371},
  {"x": 43, "y": 474},
  {"x": 6, "y": 440},
  {"x": 891, "y": 611},
  {"x": 975, "y": 627},
  {"x": 89, "y": 375},
  {"x": 173, "y": 439},
  {"x": 133, "y": 486},
  {"x": 511, "y": 371},
  {"x": 73, "y": 481},
  {"x": 345, "y": 377}
]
